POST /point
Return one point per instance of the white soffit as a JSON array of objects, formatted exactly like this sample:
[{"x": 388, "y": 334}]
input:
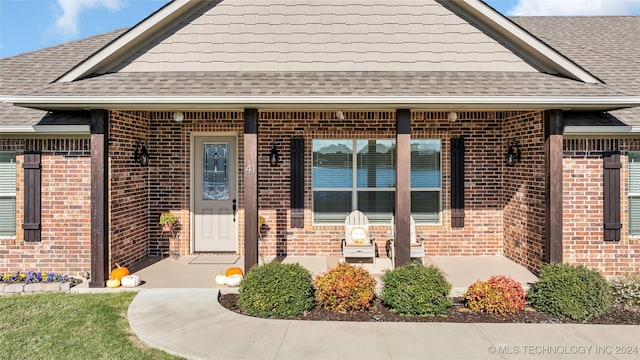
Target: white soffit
[{"x": 308, "y": 102}]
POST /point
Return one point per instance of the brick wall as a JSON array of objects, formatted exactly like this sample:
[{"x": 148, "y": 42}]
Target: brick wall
[
  {"x": 583, "y": 237},
  {"x": 129, "y": 216},
  {"x": 65, "y": 201},
  {"x": 523, "y": 190},
  {"x": 169, "y": 177},
  {"x": 504, "y": 206}
]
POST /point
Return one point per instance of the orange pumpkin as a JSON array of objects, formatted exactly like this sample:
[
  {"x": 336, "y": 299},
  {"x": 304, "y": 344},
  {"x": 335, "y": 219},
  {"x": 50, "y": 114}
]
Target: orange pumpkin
[
  {"x": 233, "y": 271},
  {"x": 119, "y": 272}
]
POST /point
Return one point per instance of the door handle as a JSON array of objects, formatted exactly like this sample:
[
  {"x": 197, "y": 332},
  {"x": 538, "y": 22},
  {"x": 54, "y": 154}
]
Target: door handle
[{"x": 234, "y": 206}]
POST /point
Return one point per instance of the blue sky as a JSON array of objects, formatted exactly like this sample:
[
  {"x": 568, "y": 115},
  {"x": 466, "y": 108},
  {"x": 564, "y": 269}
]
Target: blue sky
[{"x": 27, "y": 25}]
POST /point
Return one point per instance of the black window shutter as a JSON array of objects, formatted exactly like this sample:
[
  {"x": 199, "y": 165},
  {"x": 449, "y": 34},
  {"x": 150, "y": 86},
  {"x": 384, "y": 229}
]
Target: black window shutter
[
  {"x": 31, "y": 224},
  {"x": 457, "y": 182},
  {"x": 612, "y": 223},
  {"x": 297, "y": 183}
]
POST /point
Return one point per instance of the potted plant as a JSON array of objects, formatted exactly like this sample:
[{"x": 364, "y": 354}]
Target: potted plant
[{"x": 167, "y": 219}]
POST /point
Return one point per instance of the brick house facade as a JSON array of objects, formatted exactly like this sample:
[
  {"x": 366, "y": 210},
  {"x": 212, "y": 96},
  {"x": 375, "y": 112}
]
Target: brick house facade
[{"x": 506, "y": 208}]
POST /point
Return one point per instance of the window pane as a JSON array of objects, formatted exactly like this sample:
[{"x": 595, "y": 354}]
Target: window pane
[
  {"x": 634, "y": 216},
  {"x": 7, "y": 173},
  {"x": 634, "y": 173},
  {"x": 425, "y": 163},
  {"x": 377, "y": 205},
  {"x": 376, "y": 163},
  {"x": 215, "y": 185},
  {"x": 7, "y": 216},
  {"x": 332, "y": 163},
  {"x": 425, "y": 206},
  {"x": 331, "y": 206}
]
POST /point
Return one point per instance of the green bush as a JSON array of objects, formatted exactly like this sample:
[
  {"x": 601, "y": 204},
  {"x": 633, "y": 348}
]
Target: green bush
[
  {"x": 566, "y": 290},
  {"x": 345, "y": 288},
  {"x": 413, "y": 289},
  {"x": 499, "y": 295},
  {"x": 626, "y": 291},
  {"x": 276, "y": 290}
]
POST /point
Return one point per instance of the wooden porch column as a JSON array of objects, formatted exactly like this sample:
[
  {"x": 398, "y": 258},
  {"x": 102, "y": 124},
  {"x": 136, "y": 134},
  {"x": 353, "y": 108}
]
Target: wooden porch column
[
  {"x": 403, "y": 186},
  {"x": 99, "y": 198},
  {"x": 553, "y": 185},
  {"x": 250, "y": 188}
]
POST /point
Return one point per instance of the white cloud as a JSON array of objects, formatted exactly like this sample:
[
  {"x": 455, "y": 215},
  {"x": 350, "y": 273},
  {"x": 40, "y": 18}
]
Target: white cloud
[
  {"x": 574, "y": 7},
  {"x": 67, "y": 21}
]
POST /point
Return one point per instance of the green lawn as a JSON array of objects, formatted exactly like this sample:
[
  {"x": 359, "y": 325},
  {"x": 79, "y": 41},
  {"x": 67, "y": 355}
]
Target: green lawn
[{"x": 70, "y": 326}]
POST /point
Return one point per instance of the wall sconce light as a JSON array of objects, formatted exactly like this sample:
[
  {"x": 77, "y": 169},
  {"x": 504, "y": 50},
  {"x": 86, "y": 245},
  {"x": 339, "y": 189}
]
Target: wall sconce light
[
  {"x": 340, "y": 115},
  {"x": 453, "y": 116},
  {"x": 274, "y": 155},
  {"x": 514, "y": 154},
  {"x": 178, "y": 116},
  {"x": 141, "y": 155}
]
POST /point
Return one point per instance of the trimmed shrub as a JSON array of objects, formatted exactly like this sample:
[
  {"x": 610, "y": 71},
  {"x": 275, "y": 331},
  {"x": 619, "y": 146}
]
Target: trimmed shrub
[
  {"x": 571, "y": 291},
  {"x": 626, "y": 291},
  {"x": 276, "y": 290},
  {"x": 416, "y": 290},
  {"x": 500, "y": 295},
  {"x": 345, "y": 288}
]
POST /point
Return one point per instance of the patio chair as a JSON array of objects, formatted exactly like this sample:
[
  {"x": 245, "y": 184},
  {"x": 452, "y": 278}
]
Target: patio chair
[
  {"x": 357, "y": 241},
  {"x": 416, "y": 242}
]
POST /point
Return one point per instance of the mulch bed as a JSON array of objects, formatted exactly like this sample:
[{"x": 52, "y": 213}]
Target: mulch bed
[{"x": 457, "y": 314}]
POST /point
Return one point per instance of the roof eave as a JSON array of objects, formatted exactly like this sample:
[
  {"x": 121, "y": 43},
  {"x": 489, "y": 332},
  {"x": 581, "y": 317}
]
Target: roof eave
[
  {"x": 601, "y": 131},
  {"x": 46, "y": 129},
  {"x": 602, "y": 103}
]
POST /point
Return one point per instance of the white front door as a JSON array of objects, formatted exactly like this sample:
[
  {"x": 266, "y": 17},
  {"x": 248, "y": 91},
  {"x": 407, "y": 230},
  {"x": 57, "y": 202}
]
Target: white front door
[{"x": 215, "y": 223}]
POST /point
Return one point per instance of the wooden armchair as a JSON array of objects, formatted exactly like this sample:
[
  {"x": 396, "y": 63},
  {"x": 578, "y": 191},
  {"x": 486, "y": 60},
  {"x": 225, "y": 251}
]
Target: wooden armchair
[{"x": 357, "y": 241}]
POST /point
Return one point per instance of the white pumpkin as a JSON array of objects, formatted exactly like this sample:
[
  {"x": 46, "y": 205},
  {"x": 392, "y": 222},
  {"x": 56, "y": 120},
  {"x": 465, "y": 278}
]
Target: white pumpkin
[
  {"x": 130, "y": 281},
  {"x": 221, "y": 280},
  {"x": 234, "y": 280}
]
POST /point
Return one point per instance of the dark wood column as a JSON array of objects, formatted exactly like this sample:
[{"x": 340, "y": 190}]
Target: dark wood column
[
  {"x": 250, "y": 188},
  {"x": 99, "y": 198},
  {"x": 403, "y": 186},
  {"x": 553, "y": 185}
]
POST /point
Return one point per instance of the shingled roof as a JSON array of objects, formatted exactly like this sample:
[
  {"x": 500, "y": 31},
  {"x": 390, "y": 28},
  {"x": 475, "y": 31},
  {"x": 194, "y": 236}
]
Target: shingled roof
[
  {"x": 606, "y": 46},
  {"x": 27, "y": 73}
]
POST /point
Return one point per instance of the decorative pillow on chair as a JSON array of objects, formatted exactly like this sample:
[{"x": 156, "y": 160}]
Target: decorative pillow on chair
[{"x": 359, "y": 235}]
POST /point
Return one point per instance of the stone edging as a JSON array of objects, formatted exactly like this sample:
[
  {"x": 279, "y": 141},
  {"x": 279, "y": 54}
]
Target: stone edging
[{"x": 15, "y": 288}]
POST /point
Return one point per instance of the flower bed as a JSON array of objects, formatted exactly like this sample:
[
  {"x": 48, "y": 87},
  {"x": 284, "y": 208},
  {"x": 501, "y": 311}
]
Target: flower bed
[{"x": 35, "y": 281}]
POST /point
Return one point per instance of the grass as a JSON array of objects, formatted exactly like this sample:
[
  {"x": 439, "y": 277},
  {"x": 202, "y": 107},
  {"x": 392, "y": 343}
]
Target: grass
[{"x": 70, "y": 326}]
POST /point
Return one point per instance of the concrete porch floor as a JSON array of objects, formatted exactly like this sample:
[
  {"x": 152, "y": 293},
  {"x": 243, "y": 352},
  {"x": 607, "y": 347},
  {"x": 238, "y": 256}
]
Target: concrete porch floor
[{"x": 199, "y": 271}]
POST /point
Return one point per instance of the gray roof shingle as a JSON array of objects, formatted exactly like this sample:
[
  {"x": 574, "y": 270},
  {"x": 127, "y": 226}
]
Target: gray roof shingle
[
  {"x": 606, "y": 46},
  {"x": 26, "y": 73},
  {"x": 386, "y": 83}
]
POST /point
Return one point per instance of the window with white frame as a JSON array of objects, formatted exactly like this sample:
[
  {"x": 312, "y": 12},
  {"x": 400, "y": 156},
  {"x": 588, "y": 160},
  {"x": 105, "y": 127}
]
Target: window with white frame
[
  {"x": 634, "y": 193},
  {"x": 356, "y": 174},
  {"x": 7, "y": 194}
]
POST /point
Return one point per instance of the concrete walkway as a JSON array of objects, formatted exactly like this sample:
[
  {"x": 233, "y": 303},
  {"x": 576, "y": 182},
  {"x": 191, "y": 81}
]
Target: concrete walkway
[{"x": 191, "y": 323}]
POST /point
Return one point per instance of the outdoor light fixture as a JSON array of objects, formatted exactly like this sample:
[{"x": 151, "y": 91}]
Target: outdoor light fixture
[
  {"x": 513, "y": 154},
  {"x": 178, "y": 116},
  {"x": 340, "y": 115},
  {"x": 453, "y": 116},
  {"x": 141, "y": 155},
  {"x": 274, "y": 155}
]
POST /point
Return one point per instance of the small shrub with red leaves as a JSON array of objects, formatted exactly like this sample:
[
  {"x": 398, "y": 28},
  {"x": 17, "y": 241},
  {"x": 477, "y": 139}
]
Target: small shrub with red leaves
[
  {"x": 345, "y": 288},
  {"x": 500, "y": 295}
]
